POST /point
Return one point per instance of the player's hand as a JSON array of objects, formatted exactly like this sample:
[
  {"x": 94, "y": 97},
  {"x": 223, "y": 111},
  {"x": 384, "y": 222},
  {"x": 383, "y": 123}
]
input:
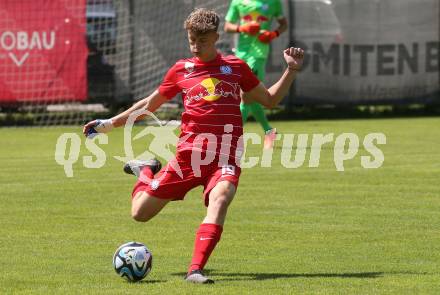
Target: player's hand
[
  {"x": 294, "y": 58},
  {"x": 97, "y": 126},
  {"x": 251, "y": 28},
  {"x": 267, "y": 36}
]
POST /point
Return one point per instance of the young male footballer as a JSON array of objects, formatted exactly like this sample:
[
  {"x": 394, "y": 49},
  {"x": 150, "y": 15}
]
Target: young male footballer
[
  {"x": 211, "y": 85},
  {"x": 252, "y": 19}
]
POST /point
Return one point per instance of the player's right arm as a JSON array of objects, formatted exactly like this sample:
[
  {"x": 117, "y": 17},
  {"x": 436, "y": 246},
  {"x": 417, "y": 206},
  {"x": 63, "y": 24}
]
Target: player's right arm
[
  {"x": 150, "y": 104},
  {"x": 167, "y": 90}
]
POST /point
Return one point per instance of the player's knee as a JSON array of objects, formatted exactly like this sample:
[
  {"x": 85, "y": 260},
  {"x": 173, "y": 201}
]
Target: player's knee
[
  {"x": 139, "y": 215},
  {"x": 221, "y": 202}
]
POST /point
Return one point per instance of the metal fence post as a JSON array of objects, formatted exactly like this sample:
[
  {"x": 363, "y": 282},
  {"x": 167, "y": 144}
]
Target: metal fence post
[{"x": 292, "y": 92}]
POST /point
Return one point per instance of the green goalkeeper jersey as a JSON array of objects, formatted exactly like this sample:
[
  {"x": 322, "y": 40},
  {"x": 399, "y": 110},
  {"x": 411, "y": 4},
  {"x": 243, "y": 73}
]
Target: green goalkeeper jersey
[{"x": 261, "y": 11}]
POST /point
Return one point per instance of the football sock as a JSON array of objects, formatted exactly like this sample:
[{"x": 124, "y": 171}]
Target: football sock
[{"x": 207, "y": 237}]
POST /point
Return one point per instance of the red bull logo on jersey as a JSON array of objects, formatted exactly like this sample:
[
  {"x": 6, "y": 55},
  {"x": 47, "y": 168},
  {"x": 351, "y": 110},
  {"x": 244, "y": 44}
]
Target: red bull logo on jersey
[
  {"x": 255, "y": 16},
  {"x": 212, "y": 89}
]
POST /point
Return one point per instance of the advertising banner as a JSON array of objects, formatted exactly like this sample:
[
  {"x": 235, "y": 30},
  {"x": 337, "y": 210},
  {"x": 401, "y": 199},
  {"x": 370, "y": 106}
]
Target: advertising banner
[{"x": 43, "y": 50}]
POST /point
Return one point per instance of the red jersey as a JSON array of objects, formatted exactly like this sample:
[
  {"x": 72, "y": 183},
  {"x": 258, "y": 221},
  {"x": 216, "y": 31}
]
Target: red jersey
[{"x": 211, "y": 96}]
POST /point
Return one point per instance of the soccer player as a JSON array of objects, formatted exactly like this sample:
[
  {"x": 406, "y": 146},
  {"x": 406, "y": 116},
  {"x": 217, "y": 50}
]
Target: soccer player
[
  {"x": 211, "y": 85},
  {"x": 252, "y": 19}
]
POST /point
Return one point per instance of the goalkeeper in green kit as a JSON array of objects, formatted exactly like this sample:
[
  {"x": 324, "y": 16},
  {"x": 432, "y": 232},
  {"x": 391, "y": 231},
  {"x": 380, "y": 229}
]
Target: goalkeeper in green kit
[{"x": 252, "y": 19}]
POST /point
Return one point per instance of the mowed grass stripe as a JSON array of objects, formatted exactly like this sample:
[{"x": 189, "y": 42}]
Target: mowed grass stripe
[{"x": 289, "y": 231}]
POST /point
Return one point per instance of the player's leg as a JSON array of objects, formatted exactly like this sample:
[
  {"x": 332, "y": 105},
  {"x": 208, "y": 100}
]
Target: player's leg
[
  {"x": 152, "y": 192},
  {"x": 220, "y": 198},
  {"x": 144, "y": 207},
  {"x": 269, "y": 132},
  {"x": 257, "y": 111},
  {"x": 209, "y": 232},
  {"x": 245, "y": 108},
  {"x": 269, "y": 138}
]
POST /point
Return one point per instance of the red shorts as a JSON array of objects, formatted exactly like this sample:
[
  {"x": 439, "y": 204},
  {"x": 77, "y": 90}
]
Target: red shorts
[{"x": 171, "y": 183}]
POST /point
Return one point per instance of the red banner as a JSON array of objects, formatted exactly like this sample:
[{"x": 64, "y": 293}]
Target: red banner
[{"x": 43, "y": 50}]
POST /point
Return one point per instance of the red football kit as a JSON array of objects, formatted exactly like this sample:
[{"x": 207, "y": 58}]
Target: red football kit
[{"x": 209, "y": 146}]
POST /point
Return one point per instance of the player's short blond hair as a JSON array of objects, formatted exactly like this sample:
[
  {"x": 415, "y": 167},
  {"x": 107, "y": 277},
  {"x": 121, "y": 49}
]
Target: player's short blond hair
[{"x": 202, "y": 20}]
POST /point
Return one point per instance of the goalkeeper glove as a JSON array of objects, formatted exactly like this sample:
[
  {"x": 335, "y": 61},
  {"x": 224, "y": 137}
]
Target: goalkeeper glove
[
  {"x": 100, "y": 126},
  {"x": 267, "y": 36},
  {"x": 251, "y": 28}
]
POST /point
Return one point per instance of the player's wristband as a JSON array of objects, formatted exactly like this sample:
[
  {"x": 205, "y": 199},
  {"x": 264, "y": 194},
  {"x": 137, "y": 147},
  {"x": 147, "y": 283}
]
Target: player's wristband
[
  {"x": 238, "y": 29},
  {"x": 277, "y": 33},
  {"x": 104, "y": 126}
]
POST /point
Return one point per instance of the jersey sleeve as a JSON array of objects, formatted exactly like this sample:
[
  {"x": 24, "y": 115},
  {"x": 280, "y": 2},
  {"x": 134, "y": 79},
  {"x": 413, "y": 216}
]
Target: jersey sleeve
[
  {"x": 233, "y": 14},
  {"x": 168, "y": 87},
  {"x": 248, "y": 79}
]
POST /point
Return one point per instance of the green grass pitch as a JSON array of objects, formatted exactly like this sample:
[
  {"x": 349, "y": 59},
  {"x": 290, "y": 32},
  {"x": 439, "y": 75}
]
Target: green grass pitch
[{"x": 289, "y": 231}]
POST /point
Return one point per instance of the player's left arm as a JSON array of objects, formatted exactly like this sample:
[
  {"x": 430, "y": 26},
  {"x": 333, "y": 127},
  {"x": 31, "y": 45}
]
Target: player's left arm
[
  {"x": 271, "y": 97},
  {"x": 281, "y": 19},
  {"x": 269, "y": 36}
]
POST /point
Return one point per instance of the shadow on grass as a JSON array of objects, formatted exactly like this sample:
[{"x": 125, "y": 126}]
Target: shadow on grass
[
  {"x": 147, "y": 281},
  {"x": 273, "y": 276}
]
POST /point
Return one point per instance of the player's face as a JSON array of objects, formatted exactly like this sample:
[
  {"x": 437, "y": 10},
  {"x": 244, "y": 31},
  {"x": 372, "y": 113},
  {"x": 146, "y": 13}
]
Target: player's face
[{"x": 203, "y": 45}]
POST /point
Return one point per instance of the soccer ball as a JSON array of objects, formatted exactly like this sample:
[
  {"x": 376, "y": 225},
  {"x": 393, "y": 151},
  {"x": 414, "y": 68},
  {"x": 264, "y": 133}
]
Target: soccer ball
[{"x": 132, "y": 261}]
